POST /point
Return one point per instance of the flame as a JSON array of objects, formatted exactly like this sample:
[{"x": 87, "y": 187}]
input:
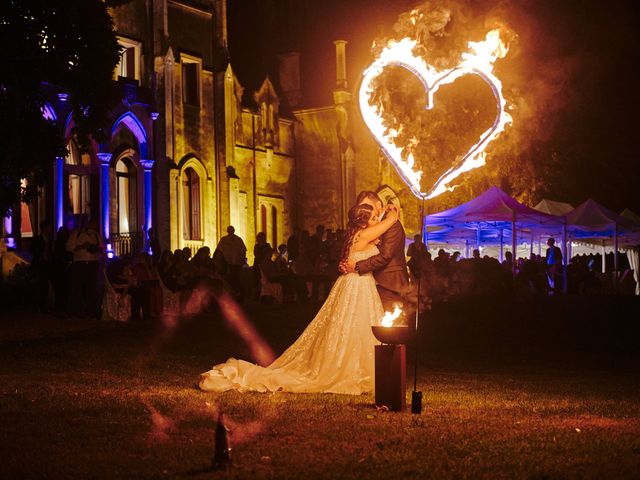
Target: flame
[
  {"x": 389, "y": 317},
  {"x": 479, "y": 61}
]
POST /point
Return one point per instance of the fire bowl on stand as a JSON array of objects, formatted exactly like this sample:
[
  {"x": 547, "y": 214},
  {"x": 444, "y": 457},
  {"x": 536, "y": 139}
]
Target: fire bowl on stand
[{"x": 394, "y": 335}]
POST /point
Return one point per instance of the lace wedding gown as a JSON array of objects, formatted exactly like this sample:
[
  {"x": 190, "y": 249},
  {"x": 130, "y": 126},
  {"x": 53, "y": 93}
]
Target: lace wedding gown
[{"x": 333, "y": 355}]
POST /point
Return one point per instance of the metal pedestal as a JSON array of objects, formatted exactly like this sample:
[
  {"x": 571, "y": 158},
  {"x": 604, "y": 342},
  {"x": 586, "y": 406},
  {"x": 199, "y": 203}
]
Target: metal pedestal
[{"x": 391, "y": 376}]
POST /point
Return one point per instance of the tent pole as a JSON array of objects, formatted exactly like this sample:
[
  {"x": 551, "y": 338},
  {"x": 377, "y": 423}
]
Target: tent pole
[
  {"x": 416, "y": 396},
  {"x": 604, "y": 263},
  {"x": 478, "y": 236},
  {"x": 564, "y": 258},
  {"x": 531, "y": 245},
  {"x": 514, "y": 240},
  {"x": 539, "y": 245},
  {"x": 501, "y": 247},
  {"x": 615, "y": 259}
]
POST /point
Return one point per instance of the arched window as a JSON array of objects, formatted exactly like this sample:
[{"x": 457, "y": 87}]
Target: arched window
[
  {"x": 271, "y": 221},
  {"x": 126, "y": 196},
  {"x": 263, "y": 219},
  {"x": 191, "y": 206},
  {"x": 274, "y": 228}
]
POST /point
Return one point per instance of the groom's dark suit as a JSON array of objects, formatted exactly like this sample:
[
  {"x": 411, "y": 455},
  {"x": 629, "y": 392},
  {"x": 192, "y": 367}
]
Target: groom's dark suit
[{"x": 389, "y": 267}]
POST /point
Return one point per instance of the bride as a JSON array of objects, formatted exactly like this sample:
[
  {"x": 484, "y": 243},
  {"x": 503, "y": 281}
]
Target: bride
[{"x": 335, "y": 352}]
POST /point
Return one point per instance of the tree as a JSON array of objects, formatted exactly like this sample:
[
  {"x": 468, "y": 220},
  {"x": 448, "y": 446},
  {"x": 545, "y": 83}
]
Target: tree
[{"x": 51, "y": 46}]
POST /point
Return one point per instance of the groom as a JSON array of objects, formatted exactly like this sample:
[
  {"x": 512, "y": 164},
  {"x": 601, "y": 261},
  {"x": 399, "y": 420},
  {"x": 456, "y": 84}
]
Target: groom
[{"x": 389, "y": 267}]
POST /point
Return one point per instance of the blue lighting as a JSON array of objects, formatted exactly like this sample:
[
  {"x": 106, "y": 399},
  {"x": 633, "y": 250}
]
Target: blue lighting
[
  {"x": 104, "y": 191},
  {"x": 148, "y": 204},
  {"x": 59, "y": 194},
  {"x": 8, "y": 228},
  {"x": 135, "y": 126}
]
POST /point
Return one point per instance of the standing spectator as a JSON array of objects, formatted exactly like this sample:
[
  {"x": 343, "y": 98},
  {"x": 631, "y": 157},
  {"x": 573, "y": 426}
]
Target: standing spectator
[
  {"x": 302, "y": 264},
  {"x": 315, "y": 244},
  {"x": 233, "y": 249},
  {"x": 281, "y": 261},
  {"x": 42, "y": 263},
  {"x": 293, "y": 245},
  {"x": 234, "y": 252},
  {"x": 292, "y": 285},
  {"x": 441, "y": 263},
  {"x": 507, "y": 264},
  {"x": 144, "y": 287},
  {"x": 261, "y": 251},
  {"x": 417, "y": 253},
  {"x": 554, "y": 265},
  {"x": 154, "y": 245},
  {"x": 88, "y": 251},
  {"x": 61, "y": 270}
]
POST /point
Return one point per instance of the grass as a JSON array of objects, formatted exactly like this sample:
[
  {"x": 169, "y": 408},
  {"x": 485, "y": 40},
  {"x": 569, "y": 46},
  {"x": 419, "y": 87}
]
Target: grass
[{"x": 550, "y": 392}]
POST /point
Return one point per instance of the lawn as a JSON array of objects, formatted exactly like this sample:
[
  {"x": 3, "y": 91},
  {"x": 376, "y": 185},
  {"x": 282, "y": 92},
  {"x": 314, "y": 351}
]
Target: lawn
[{"x": 511, "y": 390}]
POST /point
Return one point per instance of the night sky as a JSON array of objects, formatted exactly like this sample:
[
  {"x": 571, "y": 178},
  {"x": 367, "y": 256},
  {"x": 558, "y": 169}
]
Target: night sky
[{"x": 576, "y": 62}]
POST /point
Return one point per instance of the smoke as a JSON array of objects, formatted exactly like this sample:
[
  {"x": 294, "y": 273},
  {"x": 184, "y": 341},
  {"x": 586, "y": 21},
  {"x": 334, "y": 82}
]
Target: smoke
[
  {"x": 161, "y": 425},
  {"x": 238, "y": 321},
  {"x": 244, "y": 431}
]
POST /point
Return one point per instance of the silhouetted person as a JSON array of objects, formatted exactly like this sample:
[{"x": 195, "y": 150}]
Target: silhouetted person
[
  {"x": 417, "y": 253},
  {"x": 292, "y": 284},
  {"x": 42, "y": 265},
  {"x": 554, "y": 265},
  {"x": 293, "y": 245},
  {"x": 61, "y": 270},
  {"x": 87, "y": 248},
  {"x": 234, "y": 253},
  {"x": 154, "y": 245}
]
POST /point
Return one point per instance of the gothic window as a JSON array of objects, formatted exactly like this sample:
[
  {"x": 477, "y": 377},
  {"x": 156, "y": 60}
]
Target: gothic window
[
  {"x": 271, "y": 219},
  {"x": 128, "y": 66},
  {"x": 126, "y": 195},
  {"x": 263, "y": 219},
  {"x": 274, "y": 229},
  {"x": 191, "y": 80},
  {"x": 191, "y": 205}
]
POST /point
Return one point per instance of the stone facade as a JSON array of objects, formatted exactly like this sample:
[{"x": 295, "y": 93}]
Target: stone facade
[{"x": 193, "y": 158}]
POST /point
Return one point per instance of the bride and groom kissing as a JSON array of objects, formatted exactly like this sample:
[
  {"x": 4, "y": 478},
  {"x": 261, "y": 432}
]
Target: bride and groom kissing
[{"x": 335, "y": 352}]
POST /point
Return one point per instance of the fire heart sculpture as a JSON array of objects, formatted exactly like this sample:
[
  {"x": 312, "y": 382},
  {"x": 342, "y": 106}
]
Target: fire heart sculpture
[
  {"x": 391, "y": 361},
  {"x": 478, "y": 61}
]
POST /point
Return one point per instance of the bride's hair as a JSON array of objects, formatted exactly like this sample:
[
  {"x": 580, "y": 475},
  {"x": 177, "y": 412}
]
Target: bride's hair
[{"x": 359, "y": 216}]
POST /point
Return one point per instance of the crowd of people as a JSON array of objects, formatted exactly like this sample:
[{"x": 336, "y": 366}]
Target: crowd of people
[
  {"x": 449, "y": 276},
  {"x": 73, "y": 273}
]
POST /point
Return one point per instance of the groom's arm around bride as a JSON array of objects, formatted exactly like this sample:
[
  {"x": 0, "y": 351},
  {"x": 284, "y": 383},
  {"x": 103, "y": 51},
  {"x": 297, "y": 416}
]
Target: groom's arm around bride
[{"x": 389, "y": 267}]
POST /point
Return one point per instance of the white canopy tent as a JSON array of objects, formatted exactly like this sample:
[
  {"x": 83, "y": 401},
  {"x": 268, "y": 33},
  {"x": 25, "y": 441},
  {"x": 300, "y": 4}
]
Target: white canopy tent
[
  {"x": 633, "y": 254},
  {"x": 594, "y": 224},
  {"x": 494, "y": 216},
  {"x": 552, "y": 207},
  {"x": 489, "y": 219}
]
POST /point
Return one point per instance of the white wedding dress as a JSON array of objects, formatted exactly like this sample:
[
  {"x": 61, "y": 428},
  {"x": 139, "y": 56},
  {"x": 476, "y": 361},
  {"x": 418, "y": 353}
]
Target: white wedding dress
[{"x": 333, "y": 355}]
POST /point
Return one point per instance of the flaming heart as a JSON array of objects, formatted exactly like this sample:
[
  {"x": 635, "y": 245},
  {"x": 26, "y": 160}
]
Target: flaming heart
[{"x": 478, "y": 61}]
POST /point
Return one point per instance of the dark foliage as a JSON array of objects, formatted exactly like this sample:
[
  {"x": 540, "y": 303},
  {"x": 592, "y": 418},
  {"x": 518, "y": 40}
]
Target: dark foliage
[{"x": 50, "y": 46}]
